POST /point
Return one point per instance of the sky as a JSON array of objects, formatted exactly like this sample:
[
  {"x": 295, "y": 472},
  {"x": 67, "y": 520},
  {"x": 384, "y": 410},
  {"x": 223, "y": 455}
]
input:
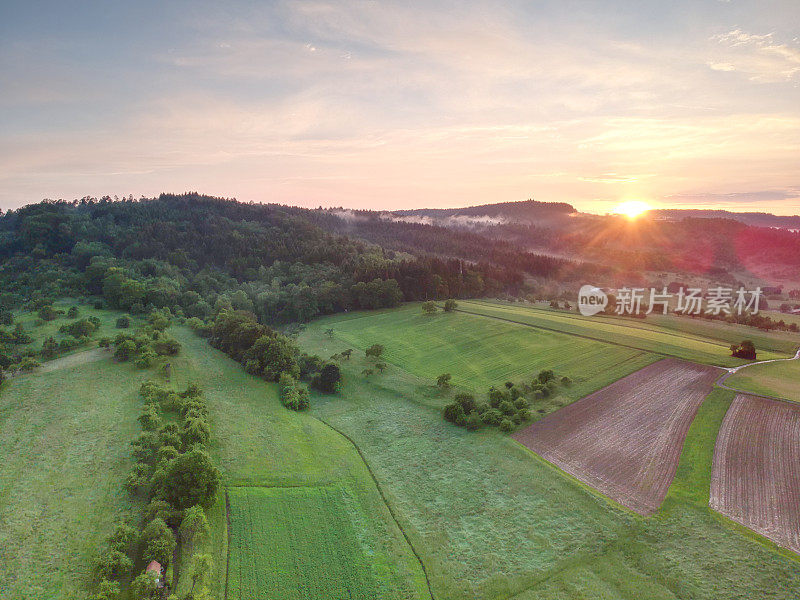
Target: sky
[{"x": 390, "y": 105}]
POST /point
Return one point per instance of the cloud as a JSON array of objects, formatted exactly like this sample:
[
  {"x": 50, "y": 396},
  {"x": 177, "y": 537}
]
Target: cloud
[{"x": 758, "y": 56}]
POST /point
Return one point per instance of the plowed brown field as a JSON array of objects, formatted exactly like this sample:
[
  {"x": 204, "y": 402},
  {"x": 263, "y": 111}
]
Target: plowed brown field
[
  {"x": 756, "y": 475},
  {"x": 625, "y": 440}
]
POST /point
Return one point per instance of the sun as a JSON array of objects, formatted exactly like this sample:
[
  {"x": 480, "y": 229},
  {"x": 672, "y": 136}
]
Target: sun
[{"x": 632, "y": 208}]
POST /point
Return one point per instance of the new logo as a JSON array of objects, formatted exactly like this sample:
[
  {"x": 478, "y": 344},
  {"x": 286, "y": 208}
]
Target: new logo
[{"x": 591, "y": 300}]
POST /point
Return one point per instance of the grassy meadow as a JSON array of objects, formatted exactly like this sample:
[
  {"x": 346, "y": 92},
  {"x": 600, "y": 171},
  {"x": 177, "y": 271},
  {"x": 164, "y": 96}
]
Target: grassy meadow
[
  {"x": 698, "y": 341},
  {"x": 492, "y": 520},
  {"x": 64, "y": 442},
  {"x": 487, "y": 518},
  {"x": 480, "y": 352},
  {"x": 778, "y": 379}
]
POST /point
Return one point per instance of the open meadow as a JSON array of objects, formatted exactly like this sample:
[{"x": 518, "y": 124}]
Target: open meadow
[
  {"x": 65, "y": 445},
  {"x": 400, "y": 499},
  {"x": 492, "y": 520}
]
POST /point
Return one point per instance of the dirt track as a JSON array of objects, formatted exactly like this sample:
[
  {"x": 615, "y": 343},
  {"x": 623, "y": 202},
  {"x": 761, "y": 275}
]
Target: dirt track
[
  {"x": 625, "y": 440},
  {"x": 756, "y": 475}
]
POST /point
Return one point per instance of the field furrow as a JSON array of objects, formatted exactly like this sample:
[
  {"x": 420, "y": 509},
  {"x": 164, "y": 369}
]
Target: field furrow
[
  {"x": 756, "y": 475},
  {"x": 625, "y": 440}
]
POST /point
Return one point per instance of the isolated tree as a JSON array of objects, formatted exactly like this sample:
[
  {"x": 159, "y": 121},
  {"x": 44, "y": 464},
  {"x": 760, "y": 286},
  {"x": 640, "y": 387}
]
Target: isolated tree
[
  {"x": 450, "y": 305},
  {"x": 190, "y": 479},
  {"x": 329, "y": 333},
  {"x": 374, "y": 351},
  {"x": 429, "y": 307},
  {"x": 443, "y": 381},
  {"x": 346, "y": 353},
  {"x": 72, "y": 313},
  {"x": 381, "y": 366}
]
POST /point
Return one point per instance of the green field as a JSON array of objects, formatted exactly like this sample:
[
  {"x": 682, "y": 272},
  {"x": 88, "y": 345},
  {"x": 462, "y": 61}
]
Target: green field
[
  {"x": 257, "y": 442},
  {"x": 58, "y": 503},
  {"x": 489, "y": 519},
  {"x": 779, "y": 379},
  {"x": 64, "y": 443},
  {"x": 714, "y": 349},
  {"x": 294, "y": 543},
  {"x": 480, "y": 352},
  {"x": 492, "y": 520}
]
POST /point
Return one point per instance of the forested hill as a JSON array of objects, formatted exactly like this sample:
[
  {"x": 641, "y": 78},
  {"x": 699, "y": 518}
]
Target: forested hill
[{"x": 195, "y": 253}]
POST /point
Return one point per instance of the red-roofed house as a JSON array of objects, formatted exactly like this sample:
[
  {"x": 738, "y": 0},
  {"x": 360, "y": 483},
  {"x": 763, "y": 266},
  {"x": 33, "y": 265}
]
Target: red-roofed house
[{"x": 155, "y": 567}]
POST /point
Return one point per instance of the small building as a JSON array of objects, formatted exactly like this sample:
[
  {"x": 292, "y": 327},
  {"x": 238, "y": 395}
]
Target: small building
[{"x": 156, "y": 568}]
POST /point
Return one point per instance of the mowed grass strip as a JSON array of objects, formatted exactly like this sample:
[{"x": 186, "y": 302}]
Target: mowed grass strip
[
  {"x": 480, "y": 352},
  {"x": 646, "y": 337},
  {"x": 778, "y": 379},
  {"x": 294, "y": 543}
]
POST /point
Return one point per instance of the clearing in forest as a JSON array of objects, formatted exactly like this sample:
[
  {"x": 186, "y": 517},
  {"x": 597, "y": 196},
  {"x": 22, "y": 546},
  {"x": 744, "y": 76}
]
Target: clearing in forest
[
  {"x": 625, "y": 440},
  {"x": 756, "y": 475},
  {"x": 294, "y": 543}
]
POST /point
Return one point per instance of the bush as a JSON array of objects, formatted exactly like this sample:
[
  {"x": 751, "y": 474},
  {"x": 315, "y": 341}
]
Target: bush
[
  {"x": 146, "y": 360},
  {"x": 520, "y": 403},
  {"x": 167, "y": 347},
  {"x": 329, "y": 379},
  {"x": 429, "y": 307},
  {"x": 507, "y": 408},
  {"x": 72, "y": 313},
  {"x": 545, "y": 376},
  {"x": 496, "y": 397},
  {"x": 473, "y": 421},
  {"x": 566, "y": 381},
  {"x": 123, "y": 322},
  {"x": 125, "y": 350},
  {"x": 492, "y": 417},
  {"x": 525, "y": 414},
  {"x": 98, "y": 305},
  {"x": 293, "y": 394},
  {"x": 506, "y": 425},
  {"x": 453, "y": 413},
  {"x": 450, "y": 305}
]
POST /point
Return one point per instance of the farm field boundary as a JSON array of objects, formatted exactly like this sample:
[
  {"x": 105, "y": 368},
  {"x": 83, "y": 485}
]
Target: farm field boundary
[{"x": 654, "y": 407}]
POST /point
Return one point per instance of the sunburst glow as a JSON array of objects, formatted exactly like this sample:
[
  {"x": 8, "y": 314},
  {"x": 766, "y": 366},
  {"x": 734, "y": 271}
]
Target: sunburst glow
[{"x": 632, "y": 208}]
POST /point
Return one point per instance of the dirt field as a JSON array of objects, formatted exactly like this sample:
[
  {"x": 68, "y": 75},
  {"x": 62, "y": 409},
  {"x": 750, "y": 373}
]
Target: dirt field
[
  {"x": 625, "y": 440},
  {"x": 756, "y": 476}
]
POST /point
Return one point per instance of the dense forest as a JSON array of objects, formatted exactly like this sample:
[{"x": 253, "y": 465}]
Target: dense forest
[{"x": 195, "y": 254}]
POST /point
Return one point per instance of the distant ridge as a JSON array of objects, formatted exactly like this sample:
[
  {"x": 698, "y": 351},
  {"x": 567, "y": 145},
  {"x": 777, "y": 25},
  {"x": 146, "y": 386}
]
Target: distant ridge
[
  {"x": 757, "y": 219},
  {"x": 525, "y": 210}
]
